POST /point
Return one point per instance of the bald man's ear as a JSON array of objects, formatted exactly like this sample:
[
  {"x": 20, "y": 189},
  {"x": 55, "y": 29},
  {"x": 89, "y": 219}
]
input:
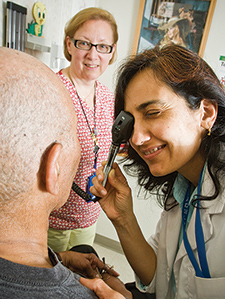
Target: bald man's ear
[{"x": 51, "y": 173}]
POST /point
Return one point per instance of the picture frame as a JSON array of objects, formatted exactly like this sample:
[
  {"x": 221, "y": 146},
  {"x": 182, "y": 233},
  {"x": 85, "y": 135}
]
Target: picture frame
[{"x": 189, "y": 21}]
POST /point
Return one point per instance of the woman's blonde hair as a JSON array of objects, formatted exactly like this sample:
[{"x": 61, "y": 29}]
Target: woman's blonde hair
[{"x": 91, "y": 13}]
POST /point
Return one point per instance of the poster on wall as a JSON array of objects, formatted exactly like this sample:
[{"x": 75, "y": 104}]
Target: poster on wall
[
  {"x": 221, "y": 71},
  {"x": 183, "y": 22}
]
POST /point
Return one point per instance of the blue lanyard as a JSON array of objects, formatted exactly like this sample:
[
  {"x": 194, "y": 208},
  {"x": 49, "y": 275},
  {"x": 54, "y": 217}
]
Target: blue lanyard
[{"x": 199, "y": 236}]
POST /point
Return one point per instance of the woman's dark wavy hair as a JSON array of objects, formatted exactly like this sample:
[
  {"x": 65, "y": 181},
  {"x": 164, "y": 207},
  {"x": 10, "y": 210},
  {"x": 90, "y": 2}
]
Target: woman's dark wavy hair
[{"x": 190, "y": 77}]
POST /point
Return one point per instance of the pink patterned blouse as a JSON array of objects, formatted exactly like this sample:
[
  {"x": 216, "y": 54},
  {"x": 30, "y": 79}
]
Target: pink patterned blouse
[{"x": 76, "y": 213}]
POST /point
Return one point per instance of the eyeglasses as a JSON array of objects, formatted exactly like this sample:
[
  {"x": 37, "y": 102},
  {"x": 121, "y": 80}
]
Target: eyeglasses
[{"x": 86, "y": 46}]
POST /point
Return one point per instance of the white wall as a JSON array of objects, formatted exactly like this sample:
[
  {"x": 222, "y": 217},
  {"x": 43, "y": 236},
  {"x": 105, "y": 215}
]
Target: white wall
[{"x": 125, "y": 13}]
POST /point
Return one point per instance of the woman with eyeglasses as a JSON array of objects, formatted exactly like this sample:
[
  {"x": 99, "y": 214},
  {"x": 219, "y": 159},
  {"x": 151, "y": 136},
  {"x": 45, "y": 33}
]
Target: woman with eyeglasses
[{"x": 90, "y": 46}]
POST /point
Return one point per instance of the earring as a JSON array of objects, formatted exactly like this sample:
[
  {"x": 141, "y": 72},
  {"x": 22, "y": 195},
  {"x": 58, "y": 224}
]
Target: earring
[{"x": 209, "y": 131}]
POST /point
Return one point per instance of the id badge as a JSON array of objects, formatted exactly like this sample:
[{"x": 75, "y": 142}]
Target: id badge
[{"x": 89, "y": 184}]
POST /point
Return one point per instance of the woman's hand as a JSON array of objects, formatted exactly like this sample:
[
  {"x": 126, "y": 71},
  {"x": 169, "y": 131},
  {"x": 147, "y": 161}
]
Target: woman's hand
[
  {"x": 117, "y": 204},
  {"x": 116, "y": 200},
  {"x": 86, "y": 264},
  {"x": 103, "y": 291}
]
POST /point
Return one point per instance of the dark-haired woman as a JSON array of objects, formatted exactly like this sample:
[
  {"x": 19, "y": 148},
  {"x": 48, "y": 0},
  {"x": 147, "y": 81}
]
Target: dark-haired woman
[{"x": 177, "y": 150}]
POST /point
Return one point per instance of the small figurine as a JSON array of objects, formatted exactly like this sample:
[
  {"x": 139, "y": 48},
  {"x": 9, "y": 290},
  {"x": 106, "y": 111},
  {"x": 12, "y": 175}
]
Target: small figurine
[{"x": 39, "y": 12}]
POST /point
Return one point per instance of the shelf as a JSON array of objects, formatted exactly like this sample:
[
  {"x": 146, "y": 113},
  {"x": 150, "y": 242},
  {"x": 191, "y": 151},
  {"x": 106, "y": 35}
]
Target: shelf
[{"x": 37, "y": 43}]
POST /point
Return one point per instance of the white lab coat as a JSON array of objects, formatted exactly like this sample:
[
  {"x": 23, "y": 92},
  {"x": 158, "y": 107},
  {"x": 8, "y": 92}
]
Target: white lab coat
[{"x": 165, "y": 240}]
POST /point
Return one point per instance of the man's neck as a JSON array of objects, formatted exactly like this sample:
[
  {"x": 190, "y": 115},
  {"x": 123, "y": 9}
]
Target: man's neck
[
  {"x": 24, "y": 229},
  {"x": 26, "y": 252}
]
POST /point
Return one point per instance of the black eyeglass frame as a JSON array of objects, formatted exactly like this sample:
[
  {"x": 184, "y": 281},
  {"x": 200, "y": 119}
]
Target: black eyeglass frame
[{"x": 91, "y": 45}]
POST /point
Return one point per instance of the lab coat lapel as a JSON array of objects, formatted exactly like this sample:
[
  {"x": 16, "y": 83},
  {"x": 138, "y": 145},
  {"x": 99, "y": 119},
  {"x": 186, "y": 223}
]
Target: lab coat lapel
[{"x": 172, "y": 235}]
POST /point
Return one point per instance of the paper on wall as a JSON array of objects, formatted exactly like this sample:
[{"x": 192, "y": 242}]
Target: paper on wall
[{"x": 221, "y": 70}]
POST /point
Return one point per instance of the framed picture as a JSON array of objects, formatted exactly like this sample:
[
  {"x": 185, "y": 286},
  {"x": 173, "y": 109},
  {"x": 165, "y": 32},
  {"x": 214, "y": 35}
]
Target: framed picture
[{"x": 183, "y": 22}]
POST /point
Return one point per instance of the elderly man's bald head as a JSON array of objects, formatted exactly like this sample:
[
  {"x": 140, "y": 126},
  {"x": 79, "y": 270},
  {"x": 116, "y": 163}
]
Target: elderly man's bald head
[{"x": 36, "y": 111}]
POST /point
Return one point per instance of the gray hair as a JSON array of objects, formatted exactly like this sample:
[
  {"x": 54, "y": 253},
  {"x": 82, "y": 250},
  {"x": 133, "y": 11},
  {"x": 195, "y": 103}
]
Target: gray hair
[{"x": 33, "y": 116}]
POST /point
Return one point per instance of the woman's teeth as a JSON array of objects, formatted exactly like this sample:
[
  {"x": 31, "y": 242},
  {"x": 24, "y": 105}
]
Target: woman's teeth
[
  {"x": 153, "y": 150},
  {"x": 91, "y": 65}
]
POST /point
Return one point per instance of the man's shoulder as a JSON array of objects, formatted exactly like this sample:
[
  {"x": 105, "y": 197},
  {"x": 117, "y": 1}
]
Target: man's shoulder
[{"x": 21, "y": 281}]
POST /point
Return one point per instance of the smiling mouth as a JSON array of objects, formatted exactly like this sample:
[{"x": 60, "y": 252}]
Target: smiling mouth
[
  {"x": 91, "y": 65},
  {"x": 152, "y": 151}
]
